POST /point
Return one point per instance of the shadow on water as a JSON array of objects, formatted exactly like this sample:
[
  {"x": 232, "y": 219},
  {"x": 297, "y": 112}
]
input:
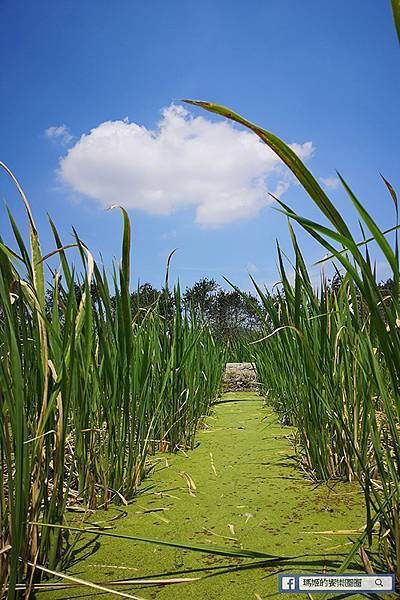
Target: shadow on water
[
  {"x": 232, "y": 400},
  {"x": 74, "y": 555},
  {"x": 279, "y": 565}
]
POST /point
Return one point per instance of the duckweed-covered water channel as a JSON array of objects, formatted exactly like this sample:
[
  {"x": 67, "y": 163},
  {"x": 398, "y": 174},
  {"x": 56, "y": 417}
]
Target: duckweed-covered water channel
[{"x": 239, "y": 488}]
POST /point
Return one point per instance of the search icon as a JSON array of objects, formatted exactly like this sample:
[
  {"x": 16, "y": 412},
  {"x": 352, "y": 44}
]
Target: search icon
[{"x": 378, "y": 581}]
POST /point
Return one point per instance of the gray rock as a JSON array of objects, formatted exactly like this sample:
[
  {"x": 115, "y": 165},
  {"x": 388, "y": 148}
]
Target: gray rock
[{"x": 240, "y": 376}]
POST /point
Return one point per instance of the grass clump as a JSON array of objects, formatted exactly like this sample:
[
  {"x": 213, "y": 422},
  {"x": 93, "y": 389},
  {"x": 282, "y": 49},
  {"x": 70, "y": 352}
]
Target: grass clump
[
  {"x": 330, "y": 358},
  {"x": 88, "y": 388}
]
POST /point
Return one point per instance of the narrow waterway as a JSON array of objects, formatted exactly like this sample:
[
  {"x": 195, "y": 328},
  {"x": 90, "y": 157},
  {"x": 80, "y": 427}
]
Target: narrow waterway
[{"x": 240, "y": 487}]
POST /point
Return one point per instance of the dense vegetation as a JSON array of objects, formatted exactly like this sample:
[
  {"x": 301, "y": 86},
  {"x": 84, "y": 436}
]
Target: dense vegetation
[
  {"x": 329, "y": 359},
  {"x": 90, "y": 384}
]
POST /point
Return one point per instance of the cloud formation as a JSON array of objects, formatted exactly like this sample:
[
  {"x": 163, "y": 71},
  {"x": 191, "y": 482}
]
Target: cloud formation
[
  {"x": 60, "y": 134},
  {"x": 252, "y": 268},
  {"x": 223, "y": 172},
  {"x": 330, "y": 182}
]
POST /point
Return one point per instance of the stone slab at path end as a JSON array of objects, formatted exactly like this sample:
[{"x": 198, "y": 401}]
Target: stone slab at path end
[{"x": 239, "y": 376}]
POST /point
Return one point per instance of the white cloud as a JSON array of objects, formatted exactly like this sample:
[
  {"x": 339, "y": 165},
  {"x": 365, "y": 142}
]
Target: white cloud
[
  {"x": 330, "y": 182},
  {"x": 252, "y": 268},
  {"x": 60, "y": 134},
  {"x": 169, "y": 235},
  {"x": 222, "y": 171}
]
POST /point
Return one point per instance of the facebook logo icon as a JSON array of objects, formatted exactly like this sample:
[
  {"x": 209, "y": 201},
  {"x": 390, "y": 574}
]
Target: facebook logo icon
[{"x": 287, "y": 583}]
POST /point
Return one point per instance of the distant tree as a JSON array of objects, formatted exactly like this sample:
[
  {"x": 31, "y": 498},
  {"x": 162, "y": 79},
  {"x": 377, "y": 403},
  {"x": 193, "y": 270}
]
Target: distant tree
[
  {"x": 229, "y": 313},
  {"x": 335, "y": 283},
  {"x": 79, "y": 289},
  {"x": 386, "y": 287},
  {"x": 234, "y": 315},
  {"x": 147, "y": 296},
  {"x": 201, "y": 297}
]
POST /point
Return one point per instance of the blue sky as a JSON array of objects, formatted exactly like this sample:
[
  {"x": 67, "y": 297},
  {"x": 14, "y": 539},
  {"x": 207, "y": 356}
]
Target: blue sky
[{"x": 323, "y": 73}]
